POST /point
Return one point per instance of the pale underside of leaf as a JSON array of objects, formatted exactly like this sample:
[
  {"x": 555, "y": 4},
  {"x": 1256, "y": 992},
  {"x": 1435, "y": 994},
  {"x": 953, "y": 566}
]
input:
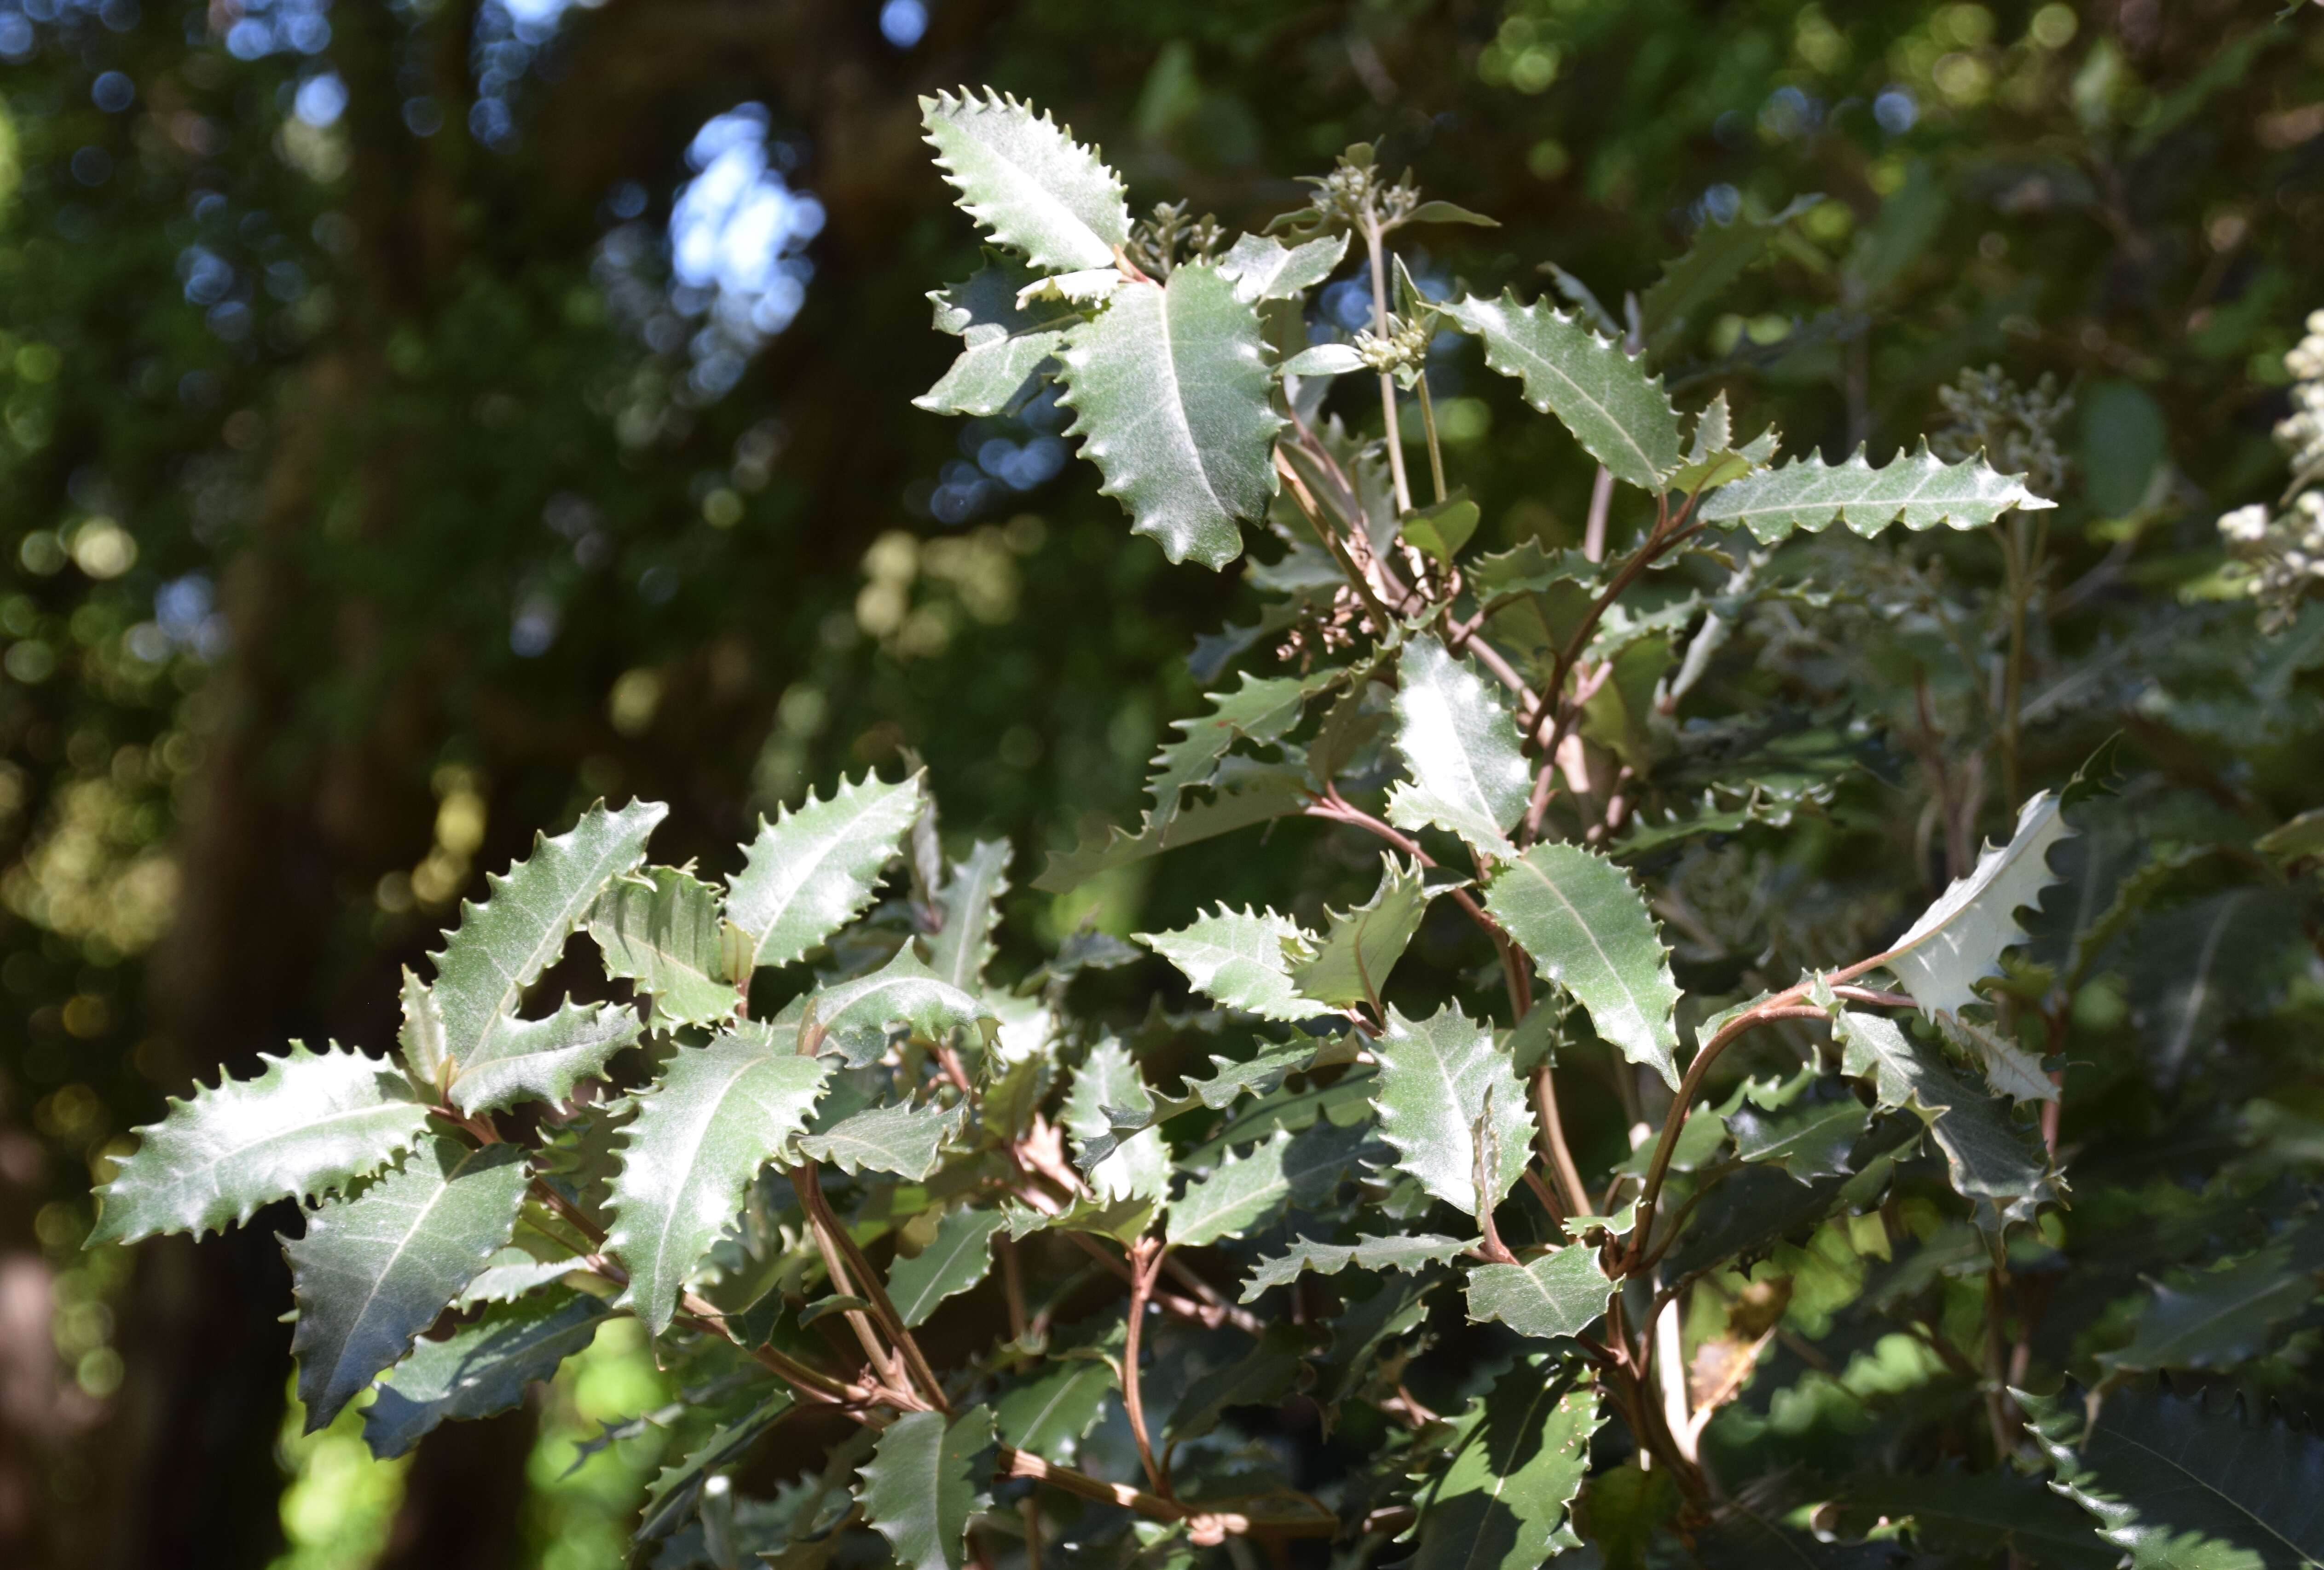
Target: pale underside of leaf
[
  {"x": 1959, "y": 940},
  {"x": 1920, "y": 491}
]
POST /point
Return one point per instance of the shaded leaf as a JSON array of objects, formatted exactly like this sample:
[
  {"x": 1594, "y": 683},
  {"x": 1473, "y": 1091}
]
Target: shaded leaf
[
  {"x": 1004, "y": 341},
  {"x": 814, "y": 869},
  {"x": 1810, "y": 1138},
  {"x": 956, "y": 1259},
  {"x": 971, "y": 903},
  {"x": 480, "y": 1369},
  {"x": 1587, "y": 926},
  {"x": 1439, "y": 1079},
  {"x": 1258, "y": 1379},
  {"x": 1459, "y": 740},
  {"x": 1050, "y": 1415},
  {"x": 1719, "y": 254},
  {"x": 1108, "y": 1094},
  {"x": 1033, "y": 188},
  {"x": 1984, "y": 1513},
  {"x": 660, "y": 930},
  {"x": 671, "y": 1496},
  {"x": 920, "y": 1487},
  {"x": 2217, "y": 1318},
  {"x": 858, "y": 1016},
  {"x": 1350, "y": 962},
  {"x": 1920, "y": 492},
  {"x": 1236, "y": 805},
  {"x": 1562, "y": 1293},
  {"x": 1619, "y": 415},
  {"x": 1988, "y": 1154},
  {"x": 1231, "y": 1198},
  {"x": 1503, "y": 1501}
]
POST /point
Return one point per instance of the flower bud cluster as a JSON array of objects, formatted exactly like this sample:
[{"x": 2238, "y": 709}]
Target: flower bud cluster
[{"x": 2284, "y": 551}]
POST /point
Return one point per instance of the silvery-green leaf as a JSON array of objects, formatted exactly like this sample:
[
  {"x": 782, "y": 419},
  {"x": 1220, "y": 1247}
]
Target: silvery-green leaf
[
  {"x": 659, "y": 929},
  {"x": 813, "y": 870},
  {"x": 1264, "y": 268},
  {"x": 857, "y": 1016},
  {"x": 1106, "y": 1086},
  {"x": 1088, "y": 287},
  {"x": 1526, "y": 568},
  {"x": 970, "y": 901},
  {"x": 1619, "y": 415},
  {"x": 956, "y": 1259},
  {"x": 480, "y": 1369},
  {"x": 1405, "y": 1252},
  {"x": 306, "y": 1125},
  {"x": 715, "y": 1116},
  {"x": 1237, "y": 956},
  {"x": 1241, "y": 1191},
  {"x": 1714, "y": 457},
  {"x": 1169, "y": 389},
  {"x": 1959, "y": 940},
  {"x": 1324, "y": 360},
  {"x": 1460, "y": 742},
  {"x": 905, "y": 1140},
  {"x": 1237, "y": 805},
  {"x": 1588, "y": 928},
  {"x": 501, "y": 948},
  {"x": 1988, "y": 1153},
  {"x": 421, "y": 1036},
  {"x": 374, "y": 1271},
  {"x": 1437, "y": 1077},
  {"x": 1005, "y": 339},
  {"x": 1505, "y": 1499},
  {"x": 1562, "y": 1293},
  {"x": 1033, "y": 188},
  {"x": 1350, "y": 963},
  {"x": 1921, "y": 492},
  {"x": 920, "y": 1488},
  {"x": 511, "y": 1273},
  {"x": 1261, "y": 710}
]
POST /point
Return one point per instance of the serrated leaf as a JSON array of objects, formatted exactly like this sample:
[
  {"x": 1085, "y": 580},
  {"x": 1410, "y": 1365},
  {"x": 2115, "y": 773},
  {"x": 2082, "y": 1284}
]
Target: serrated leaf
[
  {"x": 1920, "y": 492},
  {"x": 920, "y": 1488},
  {"x": 813, "y": 870},
  {"x": 1959, "y": 940},
  {"x": 374, "y": 1271},
  {"x": 1810, "y": 1138},
  {"x": 1719, "y": 254},
  {"x": 1170, "y": 392},
  {"x": 1588, "y": 928},
  {"x": 511, "y": 1273},
  {"x": 1231, "y": 1198},
  {"x": 1504, "y": 1500},
  {"x": 1050, "y": 1415},
  {"x": 1526, "y": 568},
  {"x": 971, "y": 902},
  {"x": 480, "y": 1369},
  {"x": 659, "y": 929},
  {"x": 905, "y": 1140},
  {"x": 1562, "y": 1293},
  {"x": 1237, "y": 956},
  {"x": 2195, "y": 966},
  {"x": 1458, "y": 738},
  {"x": 1258, "y": 1379},
  {"x": 1025, "y": 179},
  {"x": 2217, "y": 1318},
  {"x": 958, "y": 1258},
  {"x": 858, "y": 1015},
  {"x": 1982, "y": 1513},
  {"x": 2183, "y": 1484},
  {"x": 1260, "y": 711},
  {"x": 1437, "y": 1078},
  {"x": 1105, "y": 1087},
  {"x": 1619, "y": 415},
  {"x": 1262, "y": 268},
  {"x": 715, "y": 1116},
  {"x": 1005, "y": 340},
  {"x": 306, "y": 1124},
  {"x": 1988, "y": 1154},
  {"x": 1714, "y": 457},
  {"x": 501, "y": 948},
  {"x": 671, "y": 1496},
  {"x": 1236, "y": 805},
  {"x": 1411, "y": 1251},
  {"x": 1350, "y": 962},
  {"x": 421, "y": 1036}
]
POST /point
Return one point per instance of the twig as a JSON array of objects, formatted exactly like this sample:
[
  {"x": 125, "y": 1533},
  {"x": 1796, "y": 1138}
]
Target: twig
[
  {"x": 809, "y": 1186},
  {"x": 1144, "y": 1264}
]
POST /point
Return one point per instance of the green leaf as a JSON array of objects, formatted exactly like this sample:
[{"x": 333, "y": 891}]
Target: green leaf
[
  {"x": 503, "y": 946},
  {"x": 306, "y": 1125},
  {"x": 1719, "y": 255},
  {"x": 1810, "y": 1138},
  {"x": 1959, "y": 940},
  {"x": 1324, "y": 360},
  {"x": 375, "y": 1270},
  {"x": 1526, "y": 568},
  {"x": 1588, "y": 928},
  {"x": 671, "y": 1497},
  {"x": 1261, "y": 268},
  {"x": 2220, "y": 1317},
  {"x": 1714, "y": 457},
  {"x": 1005, "y": 340},
  {"x": 1562, "y": 1293},
  {"x": 1031, "y": 186},
  {"x": 1236, "y": 805},
  {"x": 1053, "y": 1413},
  {"x": 512, "y": 1272},
  {"x": 2183, "y": 1484},
  {"x": 958, "y": 1258},
  {"x": 1441, "y": 530},
  {"x": 1988, "y": 1154},
  {"x": 480, "y": 1369},
  {"x": 1981, "y": 1515},
  {"x": 1258, "y": 1379},
  {"x": 813, "y": 870},
  {"x": 857, "y": 1015},
  {"x": 1460, "y": 742},
  {"x": 421, "y": 1038},
  {"x": 1405, "y": 1252},
  {"x": 971, "y": 903},
  {"x": 1170, "y": 391},
  {"x": 1619, "y": 415},
  {"x": 905, "y": 1140},
  {"x": 1239, "y": 1193},
  {"x": 1448, "y": 213},
  {"x": 659, "y": 929},
  {"x": 1505, "y": 1499},
  {"x": 920, "y": 1487},
  {"x": 1238, "y": 957},
  {"x": 1260, "y": 711},
  {"x": 1350, "y": 963},
  {"x": 1107, "y": 1091},
  {"x": 1439, "y": 1079},
  {"x": 715, "y": 1116},
  {"x": 1921, "y": 492}
]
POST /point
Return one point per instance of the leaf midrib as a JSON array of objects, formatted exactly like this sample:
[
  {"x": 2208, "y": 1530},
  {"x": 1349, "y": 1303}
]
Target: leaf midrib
[
  {"x": 2213, "y": 1489},
  {"x": 1637, "y": 1009},
  {"x": 1535, "y": 313}
]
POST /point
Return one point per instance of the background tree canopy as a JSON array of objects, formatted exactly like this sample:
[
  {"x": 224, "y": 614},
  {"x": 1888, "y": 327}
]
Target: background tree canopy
[{"x": 420, "y": 420}]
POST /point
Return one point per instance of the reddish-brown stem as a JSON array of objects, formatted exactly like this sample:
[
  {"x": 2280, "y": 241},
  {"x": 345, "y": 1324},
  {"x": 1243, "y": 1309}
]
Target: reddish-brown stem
[
  {"x": 829, "y": 1229},
  {"x": 1550, "y": 1130},
  {"x": 1144, "y": 1264},
  {"x": 1012, "y": 1284}
]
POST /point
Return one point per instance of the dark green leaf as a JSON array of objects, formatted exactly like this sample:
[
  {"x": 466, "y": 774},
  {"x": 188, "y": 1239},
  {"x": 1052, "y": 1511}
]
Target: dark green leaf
[
  {"x": 1005, "y": 339},
  {"x": 1562, "y": 1293},
  {"x": 958, "y": 1257},
  {"x": 920, "y": 1487},
  {"x": 1619, "y": 415},
  {"x": 1505, "y": 1501},
  {"x": 481, "y": 1368}
]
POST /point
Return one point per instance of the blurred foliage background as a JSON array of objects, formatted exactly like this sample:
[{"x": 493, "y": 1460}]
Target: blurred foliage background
[{"x": 421, "y": 417}]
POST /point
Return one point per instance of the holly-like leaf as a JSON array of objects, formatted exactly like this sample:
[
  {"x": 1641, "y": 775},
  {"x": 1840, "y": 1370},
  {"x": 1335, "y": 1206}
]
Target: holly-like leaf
[
  {"x": 956, "y": 1259},
  {"x": 1108, "y": 1092},
  {"x": 480, "y": 1369},
  {"x": 501, "y": 948},
  {"x": 813, "y": 870},
  {"x": 1713, "y": 456},
  {"x": 1920, "y": 492},
  {"x": 513, "y": 1271},
  {"x": 1526, "y": 568},
  {"x": 1460, "y": 742},
  {"x": 421, "y": 1036},
  {"x": 1169, "y": 388},
  {"x": 1404, "y": 1251},
  {"x": 1719, "y": 255},
  {"x": 971, "y": 902},
  {"x": 1809, "y": 1138},
  {"x": 1959, "y": 940},
  {"x": 1350, "y": 963},
  {"x": 1260, "y": 711},
  {"x": 1258, "y": 1379},
  {"x": 1562, "y": 1293},
  {"x": 1050, "y": 1415},
  {"x": 1005, "y": 339},
  {"x": 2188, "y": 1483},
  {"x": 920, "y": 1488},
  {"x": 659, "y": 929},
  {"x": 307, "y": 1126},
  {"x": 1980, "y": 1514},
  {"x": 1238, "y": 957},
  {"x": 1241, "y": 1191},
  {"x": 1587, "y": 926},
  {"x": 1504, "y": 1500},
  {"x": 905, "y": 1140},
  {"x": 1237, "y": 805},
  {"x": 375, "y": 1270},
  {"x": 1264, "y": 268},
  {"x": 1033, "y": 188},
  {"x": 2217, "y": 1318},
  {"x": 716, "y": 1115},
  {"x": 671, "y": 1497},
  {"x": 1620, "y": 414},
  {"x": 1441, "y": 1081},
  {"x": 1990, "y": 1155},
  {"x": 857, "y": 1016}
]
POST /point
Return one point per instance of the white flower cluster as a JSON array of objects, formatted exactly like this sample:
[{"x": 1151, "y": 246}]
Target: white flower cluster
[{"x": 2284, "y": 551}]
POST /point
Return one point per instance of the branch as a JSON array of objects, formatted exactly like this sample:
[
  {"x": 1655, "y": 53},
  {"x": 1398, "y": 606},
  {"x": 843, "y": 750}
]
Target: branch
[{"x": 832, "y": 1234}]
